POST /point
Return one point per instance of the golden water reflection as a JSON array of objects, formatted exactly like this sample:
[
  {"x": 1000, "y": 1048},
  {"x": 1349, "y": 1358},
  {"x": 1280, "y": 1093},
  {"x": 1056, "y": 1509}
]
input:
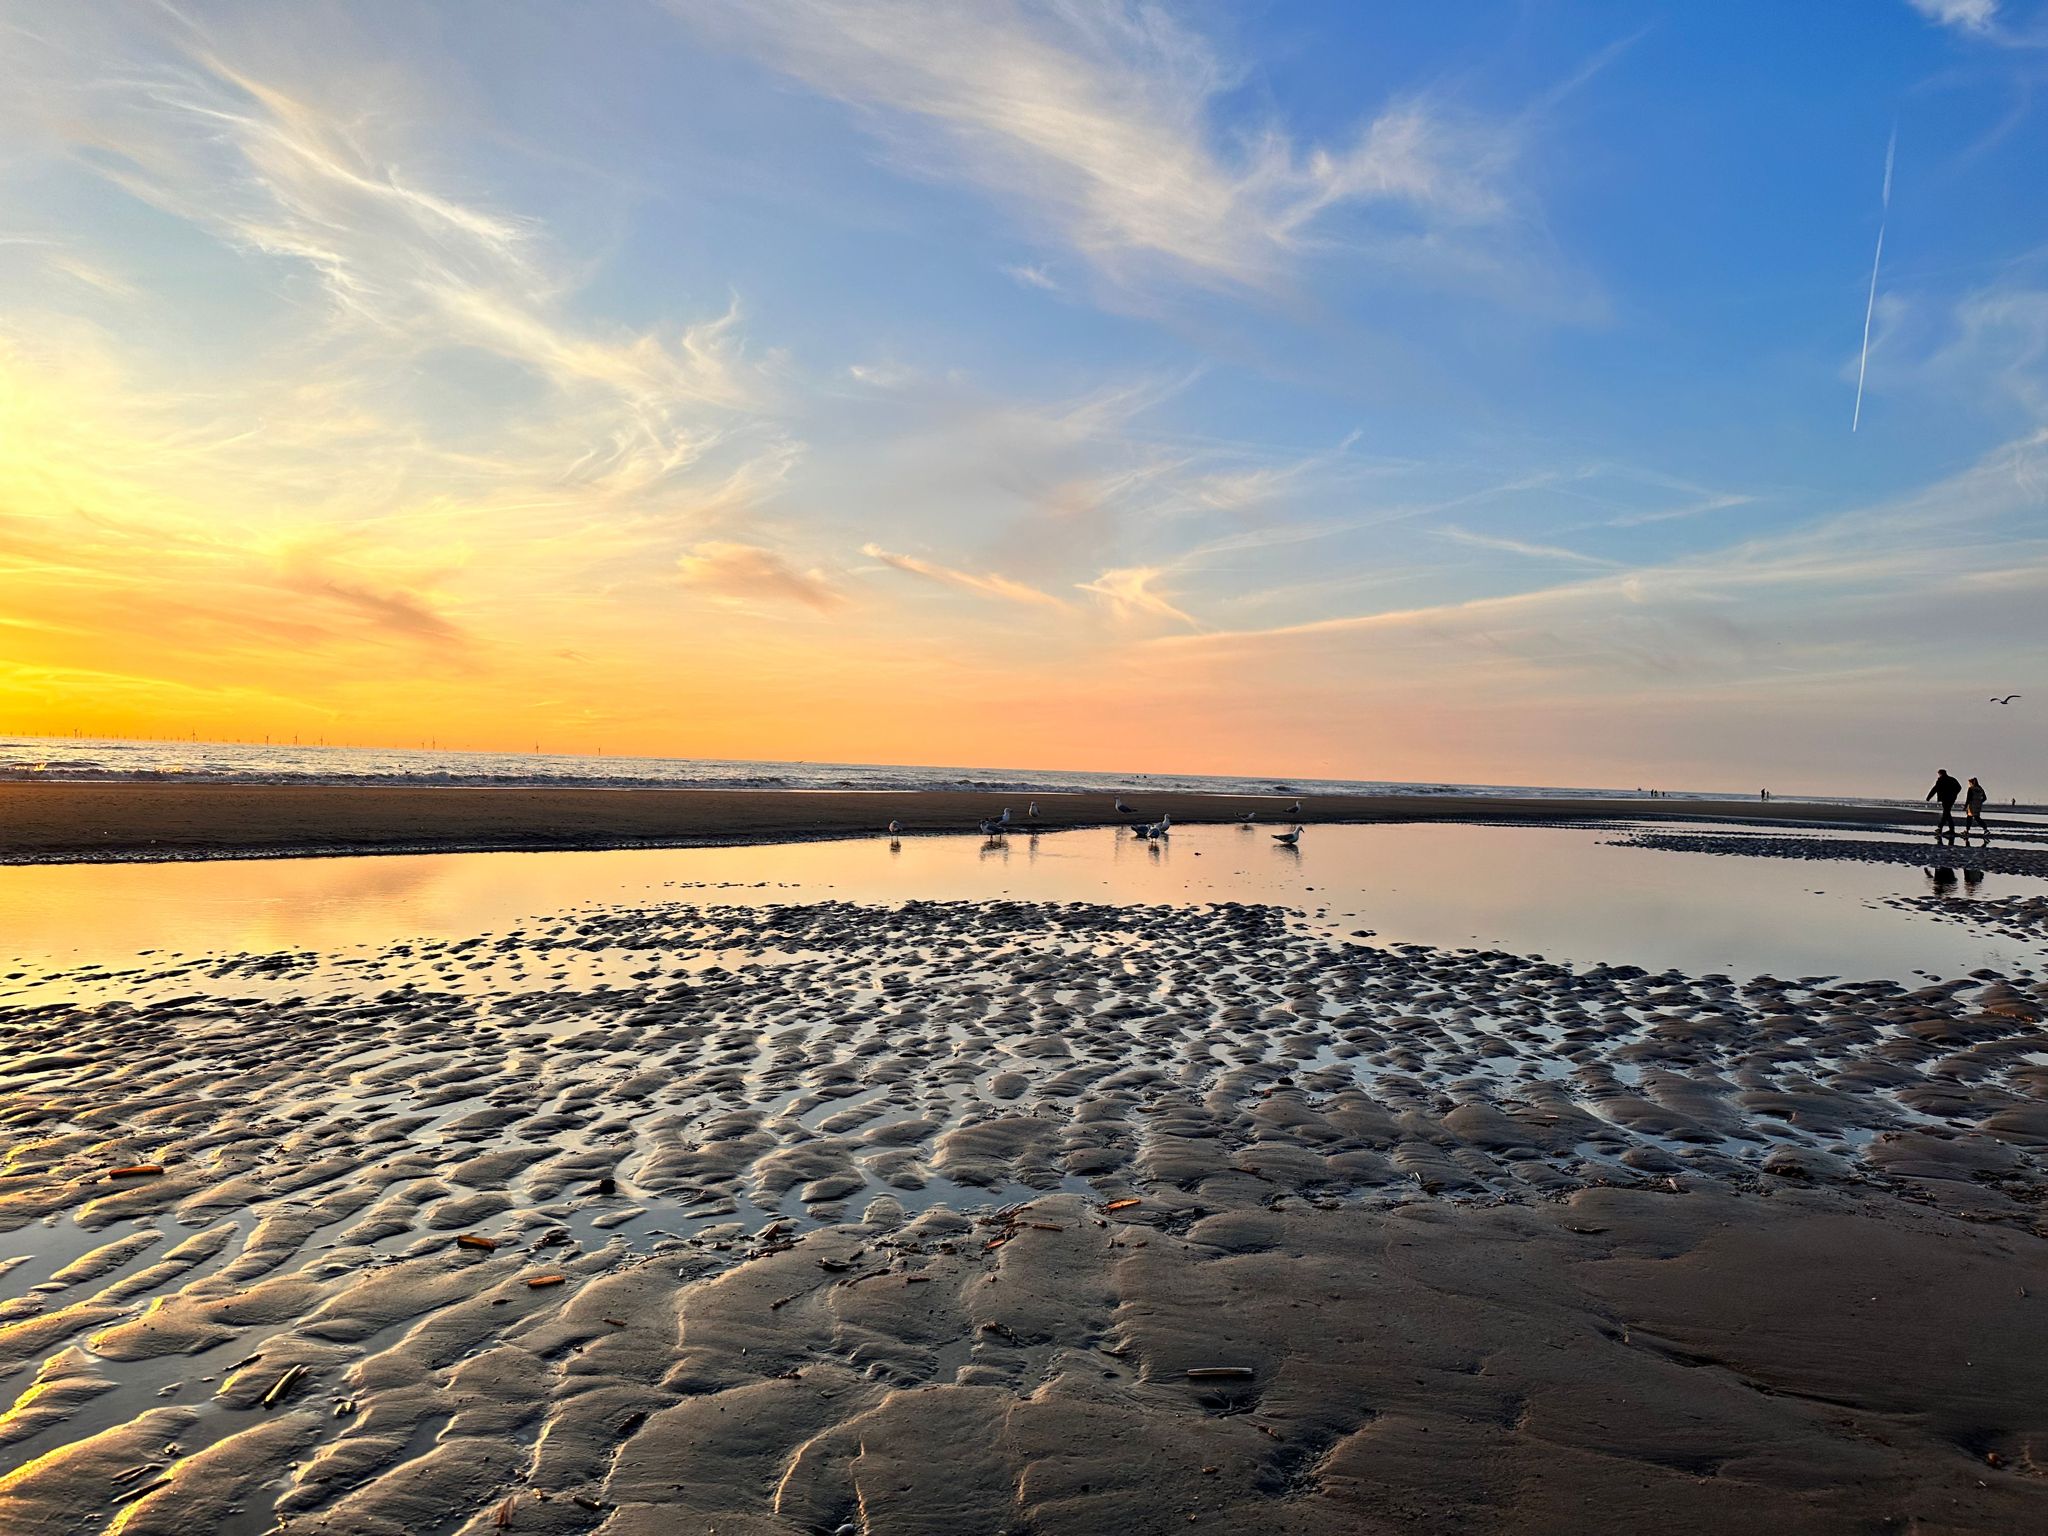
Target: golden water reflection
[{"x": 1565, "y": 893}]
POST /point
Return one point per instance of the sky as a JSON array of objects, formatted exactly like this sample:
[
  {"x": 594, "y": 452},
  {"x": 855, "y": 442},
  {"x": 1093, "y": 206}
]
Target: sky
[{"x": 1389, "y": 391}]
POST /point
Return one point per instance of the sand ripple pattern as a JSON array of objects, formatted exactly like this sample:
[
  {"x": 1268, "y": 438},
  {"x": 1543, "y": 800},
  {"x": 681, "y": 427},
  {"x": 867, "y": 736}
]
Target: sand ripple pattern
[{"x": 879, "y": 1158}]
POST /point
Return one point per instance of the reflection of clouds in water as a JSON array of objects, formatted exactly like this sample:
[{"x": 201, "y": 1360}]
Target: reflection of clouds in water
[
  {"x": 317, "y": 908},
  {"x": 1568, "y": 893}
]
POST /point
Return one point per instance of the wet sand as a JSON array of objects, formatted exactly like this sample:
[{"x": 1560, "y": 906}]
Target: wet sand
[
  {"x": 2017, "y": 851},
  {"x": 1008, "y": 1216},
  {"x": 67, "y": 821}
]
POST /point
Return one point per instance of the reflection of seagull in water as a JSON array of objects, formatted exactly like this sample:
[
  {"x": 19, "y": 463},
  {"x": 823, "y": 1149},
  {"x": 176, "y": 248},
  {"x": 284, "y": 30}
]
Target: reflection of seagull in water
[
  {"x": 1288, "y": 839},
  {"x": 2007, "y": 699}
]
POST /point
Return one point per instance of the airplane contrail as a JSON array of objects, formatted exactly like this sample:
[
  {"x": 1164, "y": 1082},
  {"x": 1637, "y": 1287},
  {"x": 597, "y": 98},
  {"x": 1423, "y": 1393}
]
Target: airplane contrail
[{"x": 1870, "y": 304}]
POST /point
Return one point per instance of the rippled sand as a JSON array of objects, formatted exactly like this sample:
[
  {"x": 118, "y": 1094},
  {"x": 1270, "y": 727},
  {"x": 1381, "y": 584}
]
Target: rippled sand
[{"x": 977, "y": 1217}]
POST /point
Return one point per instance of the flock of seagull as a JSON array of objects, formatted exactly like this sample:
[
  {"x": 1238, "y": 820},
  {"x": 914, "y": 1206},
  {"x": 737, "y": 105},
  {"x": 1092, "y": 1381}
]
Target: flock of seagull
[{"x": 1149, "y": 831}]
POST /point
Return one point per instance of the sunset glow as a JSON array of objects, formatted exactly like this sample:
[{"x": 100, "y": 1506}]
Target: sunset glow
[{"x": 1352, "y": 391}]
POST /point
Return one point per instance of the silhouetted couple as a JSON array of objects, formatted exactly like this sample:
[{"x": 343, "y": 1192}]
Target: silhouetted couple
[{"x": 1946, "y": 790}]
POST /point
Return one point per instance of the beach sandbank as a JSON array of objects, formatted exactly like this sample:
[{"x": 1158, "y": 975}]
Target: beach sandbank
[{"x": 49, "y": 822}]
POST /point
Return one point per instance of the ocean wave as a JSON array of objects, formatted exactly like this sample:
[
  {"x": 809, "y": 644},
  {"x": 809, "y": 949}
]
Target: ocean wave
[{"x": 187, "y": 762}]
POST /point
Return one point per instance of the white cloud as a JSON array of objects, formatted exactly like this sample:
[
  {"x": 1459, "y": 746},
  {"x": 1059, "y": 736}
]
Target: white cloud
[
  {"x": 1965, "y": 15},
  {"x": 1096, "y": 122}
]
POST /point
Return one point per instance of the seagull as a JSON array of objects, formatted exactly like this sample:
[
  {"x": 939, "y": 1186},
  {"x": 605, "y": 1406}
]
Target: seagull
[
  {"x": 2007, "y": 699},
  {"x": 895, "y": 827},
  {"x": 991, "y": 829},
  {"x": 1122, "y": 809},
  {"x": 1005, "y": 818},
  {"x": 1294, "y": 809},
  {"x": 1250, "y": 816},
  {"x": 1034, "y": 809},
  {"x": 1288, "y": 839}
]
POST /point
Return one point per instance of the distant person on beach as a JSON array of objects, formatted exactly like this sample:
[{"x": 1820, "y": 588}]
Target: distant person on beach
[
  {"x": 1973, "y": 810},
  {"x": 1945, "y": 790}
]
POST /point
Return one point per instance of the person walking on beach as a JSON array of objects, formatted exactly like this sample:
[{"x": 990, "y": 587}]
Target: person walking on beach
[
  {"x": 1945, "y": 790},
  {"x": 1973, "y": 811}
]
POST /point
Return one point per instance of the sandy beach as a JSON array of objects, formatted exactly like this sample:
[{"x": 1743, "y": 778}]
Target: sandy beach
[
  {"x": 1017, "y": 1216},
  {"x": 1029, "y": 768},
  {"x": 66, "y": 821}
]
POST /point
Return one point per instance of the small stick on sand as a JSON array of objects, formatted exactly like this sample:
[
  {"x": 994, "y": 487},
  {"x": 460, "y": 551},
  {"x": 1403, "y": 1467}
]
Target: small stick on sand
[
  {"x": 282, "y": 1388},
  {"x": 1221, "y": 1373}
]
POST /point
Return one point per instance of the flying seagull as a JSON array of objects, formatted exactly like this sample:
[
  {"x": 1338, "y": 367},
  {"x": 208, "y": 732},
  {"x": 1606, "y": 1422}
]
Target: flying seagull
[
  {"x": 2007, "y": 699},
  {"x": 1288, "y": 839}
]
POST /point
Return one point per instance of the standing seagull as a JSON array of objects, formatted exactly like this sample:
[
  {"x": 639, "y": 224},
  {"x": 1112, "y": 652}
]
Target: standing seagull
[
  {"x": 1122, "y": 809},
  {"x": 1006, "y": 817},
  {"x": 1033, "y": 811},
  {"x": 1288, "y": 839},
  {"x": 2007, "y": 699},
  {"x": 1294, "y": 809},
  {"x": 895, "y": 827}
]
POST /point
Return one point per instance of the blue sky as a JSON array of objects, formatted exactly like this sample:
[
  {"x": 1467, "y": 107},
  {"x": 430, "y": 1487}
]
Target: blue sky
[{"x": 1369, "y": 389}]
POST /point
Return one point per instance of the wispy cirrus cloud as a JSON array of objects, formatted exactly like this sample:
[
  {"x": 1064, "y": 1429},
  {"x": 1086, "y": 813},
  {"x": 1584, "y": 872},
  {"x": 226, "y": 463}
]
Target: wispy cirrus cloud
[
  {"x": 1878, "y": 585},
  {"x": 988, "y": 584},
  {"x": 1134, "y": 591},
  {"x": 1552, "y": 552},
  {"x": 337, "y": 197},
  {"x": 752, "y": 573},
  {"x": 1096, "y": 124}
]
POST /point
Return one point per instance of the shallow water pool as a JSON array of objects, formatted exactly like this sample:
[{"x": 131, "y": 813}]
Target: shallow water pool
[{"x": 1567, "y": 893}]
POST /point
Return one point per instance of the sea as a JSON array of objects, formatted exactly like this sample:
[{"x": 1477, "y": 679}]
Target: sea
[{"x": 213, "y": 762}]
